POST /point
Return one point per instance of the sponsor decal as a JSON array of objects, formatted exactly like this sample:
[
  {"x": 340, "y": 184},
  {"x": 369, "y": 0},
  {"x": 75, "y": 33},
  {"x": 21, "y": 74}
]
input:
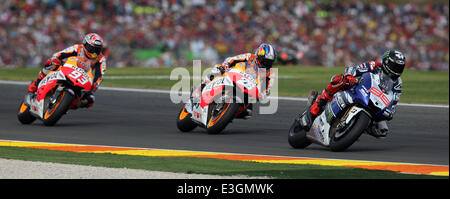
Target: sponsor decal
[
  {"x": 34, "y": 108},
  {"x": 363, "y": 92},
  {"x": 50, "y": 77},
  {"x": 197, "y": 115},
  {"x": 317, "y": 132},
  {"x": 213, "y": 84}
]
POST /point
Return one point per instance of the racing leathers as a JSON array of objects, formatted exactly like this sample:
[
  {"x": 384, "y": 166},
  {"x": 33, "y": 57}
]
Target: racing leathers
[
  {"x": 346, "y": 81},
  {"x": 98, "y": 65},
  {"x": 229, "y": 63}
]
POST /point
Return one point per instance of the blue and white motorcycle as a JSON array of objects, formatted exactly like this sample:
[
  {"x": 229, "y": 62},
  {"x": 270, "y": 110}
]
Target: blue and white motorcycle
[{"x": 350, "y": 113}]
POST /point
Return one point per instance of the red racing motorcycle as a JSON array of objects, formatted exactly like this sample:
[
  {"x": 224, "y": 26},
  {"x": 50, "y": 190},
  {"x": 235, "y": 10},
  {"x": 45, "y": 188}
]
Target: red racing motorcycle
[
  {"x": 214, "y": 105},
  {"x": 57, "y": 92}
]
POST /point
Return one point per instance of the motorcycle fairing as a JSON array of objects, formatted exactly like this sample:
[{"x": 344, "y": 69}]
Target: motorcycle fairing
[
  {"x": 320, "y": 130},
  {"x": 48, "y": 83},
  {"x": 213, "y": 89},
  {"x": 77, "y": 75},
  {"x": 370, "y": 94},
  {"x": 234, "y": 77}
]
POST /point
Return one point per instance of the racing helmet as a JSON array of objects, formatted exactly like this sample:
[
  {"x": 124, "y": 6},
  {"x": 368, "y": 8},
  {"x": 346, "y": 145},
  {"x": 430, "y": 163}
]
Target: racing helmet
[
  {"x": 265, "y": 56},
  {"x": 92, "y": 45},
  {"x": 393, "y": 63}
]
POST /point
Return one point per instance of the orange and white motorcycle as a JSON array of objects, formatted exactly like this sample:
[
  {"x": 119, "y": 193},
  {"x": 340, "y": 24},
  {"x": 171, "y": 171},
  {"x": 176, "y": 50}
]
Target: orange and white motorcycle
[
  {"x": 214, "y": 105},
  {"x": 57, "y": 92}
]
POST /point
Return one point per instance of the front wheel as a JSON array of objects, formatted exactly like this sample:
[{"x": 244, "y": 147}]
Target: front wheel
[
  {"x": 344, "y": 138},
  {"x": 220, "y": 115},
  {"x": 297, "y": 136},
  {"x": 24, "y": 114},
  {"x": 57, "y": 107},
  {"x": 184, "y": 121}
]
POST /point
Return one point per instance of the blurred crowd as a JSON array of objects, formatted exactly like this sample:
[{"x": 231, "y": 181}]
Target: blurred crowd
[{"x": 314, "y": 33}]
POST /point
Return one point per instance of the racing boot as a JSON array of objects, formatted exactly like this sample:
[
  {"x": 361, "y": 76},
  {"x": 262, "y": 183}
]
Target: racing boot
[
  {"x": 305, "y": 120},
  {"x": 320, "y": 102},
  {"x": 310, "y": 114},
  {"x": 32, "y": 88}
]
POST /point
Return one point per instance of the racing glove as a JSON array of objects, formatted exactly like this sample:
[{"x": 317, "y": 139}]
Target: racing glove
[
  {"x": 379, "y": 129},
  {"x": 51, "y": 65},
  {"x": 349, "y": 80},
  {"x": 87, "y": 100},
  {"x": 53, "y": 62},
  {"x": 216, "y": 71}
]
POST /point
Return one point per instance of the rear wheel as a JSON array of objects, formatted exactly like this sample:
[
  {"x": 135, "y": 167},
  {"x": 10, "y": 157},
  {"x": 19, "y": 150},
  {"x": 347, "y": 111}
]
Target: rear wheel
[
  {"x": 297, "y": 136},
  {"x": 58, "y": 104},
  {"x": 342, "y": 138},
  {"x": 24, "y": 114},
  {"x": 184, "y": 121}
]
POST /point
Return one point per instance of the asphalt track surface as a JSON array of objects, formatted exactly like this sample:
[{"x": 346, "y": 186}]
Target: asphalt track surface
[{"x": 147, "y": 120}]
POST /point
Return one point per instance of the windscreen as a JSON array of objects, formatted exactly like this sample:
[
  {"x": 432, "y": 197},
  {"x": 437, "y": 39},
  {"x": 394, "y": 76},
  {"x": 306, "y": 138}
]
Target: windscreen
[
  {"x": 252, "y": 70},
  {"x": 386, "y": 83}
]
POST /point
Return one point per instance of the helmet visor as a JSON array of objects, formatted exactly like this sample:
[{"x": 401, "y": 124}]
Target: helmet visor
[
  {"x": 266, "y": 63},
  {"x": 93, "y": 49},
  {"x": 394, "y": 70}
]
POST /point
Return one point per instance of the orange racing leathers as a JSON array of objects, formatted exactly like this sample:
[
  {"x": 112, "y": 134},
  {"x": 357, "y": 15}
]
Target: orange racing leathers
[{"x": 230, "y": 62}]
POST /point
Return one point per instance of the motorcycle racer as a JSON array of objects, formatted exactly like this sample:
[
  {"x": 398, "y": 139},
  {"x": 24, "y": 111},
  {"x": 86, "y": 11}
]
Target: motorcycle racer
[
  {"x": 89, "y": 54},
  {"x": 263, "y": 57},
  {"x": 392, "y": 64}
]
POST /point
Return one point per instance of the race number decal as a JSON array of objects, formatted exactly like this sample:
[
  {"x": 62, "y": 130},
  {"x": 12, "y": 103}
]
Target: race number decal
[
  {"x": 75, "y": 74},
  {"x": 380, "y": 95},
  {"x": 78, "y": 76}
]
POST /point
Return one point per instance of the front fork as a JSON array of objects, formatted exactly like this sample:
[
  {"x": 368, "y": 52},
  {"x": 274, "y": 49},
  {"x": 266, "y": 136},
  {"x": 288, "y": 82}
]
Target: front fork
[{"x": 52, "y": 99}]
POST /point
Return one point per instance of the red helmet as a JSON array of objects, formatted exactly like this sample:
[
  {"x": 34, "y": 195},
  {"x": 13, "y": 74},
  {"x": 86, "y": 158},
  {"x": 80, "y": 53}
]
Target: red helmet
[{"x": 92, "y": 45}]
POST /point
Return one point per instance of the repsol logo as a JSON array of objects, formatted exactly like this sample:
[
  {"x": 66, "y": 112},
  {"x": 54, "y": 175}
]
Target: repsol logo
[{"x": 49, "y": 78}]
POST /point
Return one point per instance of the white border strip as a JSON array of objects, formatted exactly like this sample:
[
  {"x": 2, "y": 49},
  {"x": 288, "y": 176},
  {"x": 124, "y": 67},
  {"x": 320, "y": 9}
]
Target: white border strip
[
  {"x": 146, "y": 90},
  {"x": 168, "y": 77},
  {"x": 226, "y": 153}
]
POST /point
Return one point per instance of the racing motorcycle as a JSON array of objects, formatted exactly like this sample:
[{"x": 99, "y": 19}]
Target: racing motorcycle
[
  {"x": 215, "y": 104},
  {"x": 350, "y": 113},
  {"x": 57, "y": 92}
]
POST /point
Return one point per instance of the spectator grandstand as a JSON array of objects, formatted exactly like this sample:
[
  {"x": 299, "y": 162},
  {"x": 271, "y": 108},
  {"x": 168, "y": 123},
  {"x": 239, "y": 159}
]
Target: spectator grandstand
[{"x": 174, "y": 32}]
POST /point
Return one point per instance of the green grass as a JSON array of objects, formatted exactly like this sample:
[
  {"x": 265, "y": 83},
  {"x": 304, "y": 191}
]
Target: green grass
[
  {"x": 418, "y": 86},
  {"x": 202, "y": 165}
]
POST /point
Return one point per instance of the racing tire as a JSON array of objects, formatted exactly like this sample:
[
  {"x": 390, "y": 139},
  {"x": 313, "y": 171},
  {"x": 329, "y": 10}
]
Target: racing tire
[
  {"x": 24, "y": 114},
  {"x": 54, "y": 113},
  {"x": 297, "y": 136},
  {"x": 184, "y": 121},
  {"x": 356, "y": 128},
  {"x": 217, "y": 124}
]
